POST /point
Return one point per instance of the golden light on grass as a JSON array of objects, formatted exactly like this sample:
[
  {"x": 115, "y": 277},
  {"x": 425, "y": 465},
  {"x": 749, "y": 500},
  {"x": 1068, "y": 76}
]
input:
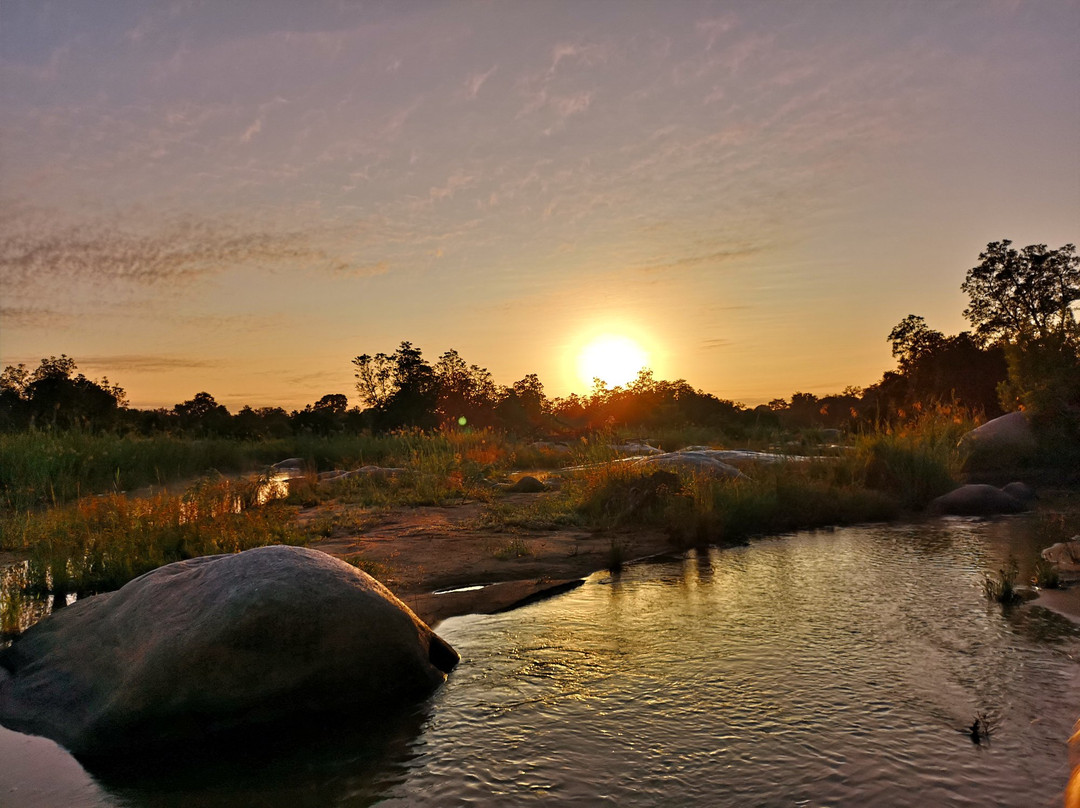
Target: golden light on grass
[{"x": 613, "y": 358}]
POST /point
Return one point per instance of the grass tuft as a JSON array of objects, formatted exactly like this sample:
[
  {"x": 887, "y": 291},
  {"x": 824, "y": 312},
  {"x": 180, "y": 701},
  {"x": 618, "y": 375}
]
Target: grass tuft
[{"x": 1002, "y": 587}]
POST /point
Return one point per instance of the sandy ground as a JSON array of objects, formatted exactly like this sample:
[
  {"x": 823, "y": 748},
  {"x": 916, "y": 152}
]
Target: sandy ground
[{"x": 422, "y": 550}]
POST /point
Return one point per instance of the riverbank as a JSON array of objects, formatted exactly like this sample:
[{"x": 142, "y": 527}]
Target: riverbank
[{"x": 445, "y": 561}]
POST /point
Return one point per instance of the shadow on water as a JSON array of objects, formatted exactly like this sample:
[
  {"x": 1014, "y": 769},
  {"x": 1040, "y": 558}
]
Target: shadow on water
[
  {"x": 346, "y": 761},
  {"x": 1038, "y": 624}
]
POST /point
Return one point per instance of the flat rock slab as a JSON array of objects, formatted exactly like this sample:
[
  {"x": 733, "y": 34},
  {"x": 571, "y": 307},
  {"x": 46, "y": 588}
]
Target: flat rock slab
[
  {"x": 217, "y": 644},
  {"x": 489, "y": 598}
]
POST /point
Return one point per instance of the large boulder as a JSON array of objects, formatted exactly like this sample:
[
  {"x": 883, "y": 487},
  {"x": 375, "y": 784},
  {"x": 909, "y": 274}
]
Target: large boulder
[
  {"x": 217, "y": 644},
  {"x": 1000, "y": 444},
  {"x": 977, "y": 500}
]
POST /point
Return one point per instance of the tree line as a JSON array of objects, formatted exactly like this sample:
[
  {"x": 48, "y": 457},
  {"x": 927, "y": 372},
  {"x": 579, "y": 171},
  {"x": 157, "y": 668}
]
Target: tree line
[{"x": 1023, "y": 352}]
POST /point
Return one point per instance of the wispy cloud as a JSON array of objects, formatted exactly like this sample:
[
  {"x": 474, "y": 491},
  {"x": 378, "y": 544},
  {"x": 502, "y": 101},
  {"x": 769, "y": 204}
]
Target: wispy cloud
[
  {"x": 31, "y": 316},
  {"x": 711, "y": 258},
  {"x": 143, "y": 363},
  {"x": 251, "y": 131},
  {"x": 712, "y": 344},
  {"x": 476, "y": 80},
  {"x": 35, "y": 249},
  {"x": 363, "y": 270},
  {"x": 714, "y": 28}
]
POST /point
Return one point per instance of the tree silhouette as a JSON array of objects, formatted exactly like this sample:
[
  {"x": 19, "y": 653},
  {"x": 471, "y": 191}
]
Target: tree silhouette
[
  {"x": 203, "y": 414},
  {"x": 1024, "y": 300},
  {"x": 1023, "y": 293},
  {"x": 400, "y": 388},
  {"x": 50, "y": 396},
  {"x": 913, "y": 340}
]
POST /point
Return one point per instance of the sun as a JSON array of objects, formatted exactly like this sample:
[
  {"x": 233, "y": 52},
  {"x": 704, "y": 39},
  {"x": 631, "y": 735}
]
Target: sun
[{"x": 614, "y": 359}]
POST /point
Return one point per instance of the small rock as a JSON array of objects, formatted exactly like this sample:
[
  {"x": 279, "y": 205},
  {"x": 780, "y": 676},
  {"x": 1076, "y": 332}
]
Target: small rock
[
  {"x": 527, "y": 485},
  {"x": 1065, "y": 555}
]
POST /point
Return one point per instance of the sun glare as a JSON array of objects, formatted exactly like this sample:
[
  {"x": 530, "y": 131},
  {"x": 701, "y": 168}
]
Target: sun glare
[{"x": 614, "y": 359}]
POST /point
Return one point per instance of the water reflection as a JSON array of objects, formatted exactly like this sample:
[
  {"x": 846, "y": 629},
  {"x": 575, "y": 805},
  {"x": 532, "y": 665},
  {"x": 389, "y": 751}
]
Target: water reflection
[
  {"x": 18, "y": 609},
  {"x": 840, "y": 667},
  {"x": 348, "y": 762}
]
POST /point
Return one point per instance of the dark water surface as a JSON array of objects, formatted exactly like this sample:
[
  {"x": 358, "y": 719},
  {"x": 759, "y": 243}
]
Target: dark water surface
[{"x": 827, "y": 668}]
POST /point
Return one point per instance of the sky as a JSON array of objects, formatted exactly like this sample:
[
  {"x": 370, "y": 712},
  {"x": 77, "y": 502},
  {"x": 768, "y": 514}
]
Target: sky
[{"x": 239, "y": 198}]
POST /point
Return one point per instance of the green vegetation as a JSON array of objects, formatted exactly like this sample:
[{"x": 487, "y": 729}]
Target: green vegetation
[
  {"x": 1045, "y": 575},
  {"x": 1002, "y": 587},
  {"x": 100, "y": 543},
  {"x": 505, "y": 549},
  {"x": 53, "y": 467},
  {"x": 917, "y": 461}
]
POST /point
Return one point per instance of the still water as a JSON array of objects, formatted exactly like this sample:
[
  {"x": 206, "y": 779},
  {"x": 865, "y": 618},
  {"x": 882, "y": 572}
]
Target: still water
[{"x": 826, "y": 668}]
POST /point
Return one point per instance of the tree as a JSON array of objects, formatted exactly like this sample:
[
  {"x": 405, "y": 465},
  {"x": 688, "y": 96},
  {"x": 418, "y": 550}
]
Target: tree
[
  {"x": 203, "y": 414},
  {"x": 325, "y": 416},
  {"x": 523, "y": 405},
  {"x": 1023, "y": 293},
  {"x": 50, "y": 396},
  {"x": 401, "y": 387},
  {"x": 464, "y": 391},
  {"x": 913, "y": 340},
  {"x": 936, "y": 368},
  {"x": 332, "y": 404},
  {"x": 1024, "y": 300}
]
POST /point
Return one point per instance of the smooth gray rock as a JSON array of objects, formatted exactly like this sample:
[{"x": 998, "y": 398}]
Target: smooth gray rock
[
  {"x": 743, "y": 457},
  {"x": 289, "y": 464},
  {"x": 999, "y": 444},
  {"x": 215, "y": 644},
  {"x": 976, "y": 500},
  {"x": 635, "y": 448},
  {"x": 1021, "y": 492},
  {"x": 701, "y": 462}
]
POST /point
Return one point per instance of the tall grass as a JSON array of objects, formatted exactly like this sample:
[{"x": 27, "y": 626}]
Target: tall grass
[
  {"x": 431, "y": 469},
  {"x": 883, "y": 474},
  {"x": 708, "y": 509},
  {"x": 49, "y": 468},
  {"x": 99, "y": 543},
  {"x": 915, "y": 462}
]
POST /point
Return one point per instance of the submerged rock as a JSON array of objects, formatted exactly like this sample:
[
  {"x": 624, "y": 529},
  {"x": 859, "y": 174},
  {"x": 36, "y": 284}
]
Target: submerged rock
[
  {"x": 978, "y": 500},
  {"x": 1022, "y": 492},
  {"x": 216, "y": 644}
]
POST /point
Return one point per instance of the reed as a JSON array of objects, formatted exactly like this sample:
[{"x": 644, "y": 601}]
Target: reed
[{"x": 99, "y": 543}]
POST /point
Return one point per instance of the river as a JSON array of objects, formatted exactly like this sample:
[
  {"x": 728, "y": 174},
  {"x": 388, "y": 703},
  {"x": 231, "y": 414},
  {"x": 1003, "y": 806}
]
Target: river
[{"x": 836, "y": 668}]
